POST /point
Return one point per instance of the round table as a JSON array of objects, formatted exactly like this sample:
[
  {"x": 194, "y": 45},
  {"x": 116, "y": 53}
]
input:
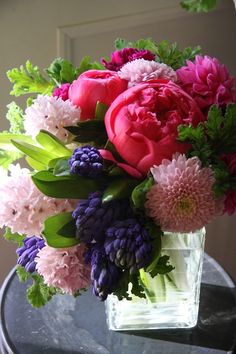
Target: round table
[{"x": 67, "y": 325}]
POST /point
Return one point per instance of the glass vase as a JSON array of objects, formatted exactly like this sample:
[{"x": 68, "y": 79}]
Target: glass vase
[{"x": 172, "y": 300}]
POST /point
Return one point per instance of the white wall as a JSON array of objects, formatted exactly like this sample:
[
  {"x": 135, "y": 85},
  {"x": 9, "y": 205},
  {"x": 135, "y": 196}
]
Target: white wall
[{"x": 28, "y": 30}]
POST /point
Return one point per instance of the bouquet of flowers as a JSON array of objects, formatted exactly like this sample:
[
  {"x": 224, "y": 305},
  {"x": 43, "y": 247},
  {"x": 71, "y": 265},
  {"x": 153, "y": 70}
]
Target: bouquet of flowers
[{"x": 119, "y": 152}]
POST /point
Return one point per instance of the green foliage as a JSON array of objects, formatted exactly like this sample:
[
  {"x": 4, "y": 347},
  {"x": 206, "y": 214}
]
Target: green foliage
[
  {"x": 212, "y": 139},
  {"x": 119, "y": 188},
  {"x": 38, "y": 294},
  {"x": 22, "y": 274},
  {"x": 100, "y": 110},
  {"x": 61, "y": 168},
  {"x": 89, "y": 130},
  {"x": 8, "y": 157},
  {"x": 15, "y": 117},
  {"x": 198, "y": 5},
  {"x": 28, "y": 80},
  {"x": 72, "y": 187},
  {"x": 123, "y": 291},
  {"x": 166, "y": 53},
  {"x": 15, "y": 237},
  {"x": 139, "y": 192},
  {"x": 162, "y": 266},
  {"x": 52, "y": 144},
  {"x": 60, "y": 231},
  {"x": 61, "y": 71},
  {"x": 86, "y": 64}
]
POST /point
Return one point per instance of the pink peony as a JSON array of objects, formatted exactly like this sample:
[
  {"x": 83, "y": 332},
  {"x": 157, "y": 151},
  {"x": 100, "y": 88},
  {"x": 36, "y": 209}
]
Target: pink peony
[
  {"x": 125, "y": 55},
  {"x": 93, "y": 86},
  {"x": 64, "y": 268},
  {"x": 140, "y": 70},
  {"x": 207, "y": 81},
  {"x": 23, "y": 207},
  {"x": 230, "y": 202},
  {"x": 182, "y": 200},
  {"x": 51, "y": 114},
  {"x": 61, "y": 91},
  {"x": 142, "y": 122}
]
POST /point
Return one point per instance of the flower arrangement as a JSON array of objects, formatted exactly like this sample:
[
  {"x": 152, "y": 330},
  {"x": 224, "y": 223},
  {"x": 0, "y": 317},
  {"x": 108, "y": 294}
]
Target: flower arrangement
[{"x": 119, "y": 151}]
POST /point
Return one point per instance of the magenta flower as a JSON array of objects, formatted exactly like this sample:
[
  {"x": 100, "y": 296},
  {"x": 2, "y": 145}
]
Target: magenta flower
[
  {"x": 64, "y": 268},
  {"x": 207, "y": 81},
  {"x": 230, "y": 202},
  {"x": 182, "y": 200},
  {"x": 62, "y": 91},
  {"x": 125, "y": 55}
]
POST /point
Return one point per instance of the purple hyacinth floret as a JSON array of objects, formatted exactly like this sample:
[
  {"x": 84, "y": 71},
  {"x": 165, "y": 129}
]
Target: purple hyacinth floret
[
  {"x": 86, "y": 161},
  {"x": 93, "y": 217},
  {"x": 104, "y": 274},
  {"x": 28, "y": 252},
  {"x": 128, "y": 245}
]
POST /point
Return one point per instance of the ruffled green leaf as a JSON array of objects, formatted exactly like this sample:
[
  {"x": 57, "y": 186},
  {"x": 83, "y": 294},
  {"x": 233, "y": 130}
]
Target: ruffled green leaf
[
  {"x": 198, "y": 5},
  {"x": 16, "y": 118}
]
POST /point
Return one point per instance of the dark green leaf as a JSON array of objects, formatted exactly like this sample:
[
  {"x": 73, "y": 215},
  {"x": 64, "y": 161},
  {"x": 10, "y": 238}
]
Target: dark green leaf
[
  {"x": 72, "y": 187},
  {"x": 162, "y": 267},
  {"x": 61, "y": 71},
  {"x": 28, "y": 80},
  {"x": 62, "y": 168},
  {"x": 59, "y": 231},
  {"x": 15, "y": 237},
  {"x": 101, "y": 110},
  {"x": 23, "y": 275},
  {"x": 119, "y": 189},
  {"x": 89, "y": 130},
  {"x": 139, "y": 192}
]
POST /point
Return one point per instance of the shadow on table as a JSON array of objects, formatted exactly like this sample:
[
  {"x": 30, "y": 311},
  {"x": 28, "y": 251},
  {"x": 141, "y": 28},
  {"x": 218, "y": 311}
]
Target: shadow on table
[{"x": 216, "y": 327}]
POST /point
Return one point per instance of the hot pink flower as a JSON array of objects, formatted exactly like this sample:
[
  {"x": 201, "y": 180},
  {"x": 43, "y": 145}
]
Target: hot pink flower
[
  {"x": 182, "y": 200},
  {"x": 62, "y": 91},
  {"x": 64, "y": 268},
  {"x": 142, "y": 122},
  {"x": 207, "y": 81},
  {"x": 93, "y": 86},
  {"x": 230, "y": 202},
  {"x": 125, "y": 55}
]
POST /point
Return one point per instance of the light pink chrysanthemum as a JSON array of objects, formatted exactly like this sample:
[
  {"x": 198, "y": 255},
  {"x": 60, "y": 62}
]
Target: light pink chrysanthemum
[
  {"x": 182, "y": 199},
  {"x": 23, "y": 207},
  {"x": 52, "y": 114},
  {"x": 207, "y": 81},
  {"x": 140, "y": 70},
  {"x": 64, "y": 268}
]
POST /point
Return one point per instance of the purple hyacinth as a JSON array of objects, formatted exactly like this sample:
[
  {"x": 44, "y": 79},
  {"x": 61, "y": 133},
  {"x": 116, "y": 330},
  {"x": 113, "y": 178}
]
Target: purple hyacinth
[
  {"x": 29, "y": 251},
  {"x": 86, "y": 161},
  {"x": 93, "y": 217},
  {"x": 128, "y": 245},
  {"x": 104, "y": 274}
]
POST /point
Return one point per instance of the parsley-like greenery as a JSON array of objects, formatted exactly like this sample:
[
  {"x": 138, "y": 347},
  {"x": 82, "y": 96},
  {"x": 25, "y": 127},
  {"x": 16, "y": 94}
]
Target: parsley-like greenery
[{"x": 198, "y": 5}]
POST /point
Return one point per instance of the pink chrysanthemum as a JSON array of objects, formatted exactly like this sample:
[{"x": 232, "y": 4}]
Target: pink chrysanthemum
[
  {"x": 182, "y": 199},
  {"x": 64, "y": 268},
  {"x": 52, "y": 114},
  {"x": 144, "y": 70},
  {"x": 207, "y": 81},
  {"x": 23, "y": 207}
]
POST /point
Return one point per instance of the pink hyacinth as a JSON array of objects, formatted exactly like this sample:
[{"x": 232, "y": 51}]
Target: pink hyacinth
[
  {"x": 182, "y": 199},
  {"x": 140, "y": 70},
  {"x": 207, "y": 81},
  {"x": 23, "y": 207},
  {"x": 64, "y": 268}
]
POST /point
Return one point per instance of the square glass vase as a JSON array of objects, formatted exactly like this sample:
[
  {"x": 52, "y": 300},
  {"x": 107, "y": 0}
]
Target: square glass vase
[{"x": 172, "y": 300}]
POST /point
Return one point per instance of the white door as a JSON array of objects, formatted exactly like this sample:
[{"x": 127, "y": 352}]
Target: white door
[{"x": 40, "y": 30}]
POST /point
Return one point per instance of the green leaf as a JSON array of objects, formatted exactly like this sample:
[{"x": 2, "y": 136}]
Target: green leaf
[
  {"x": 35, "y": 165},
  {"x": 15, "y": 117},
  {"x": 62, "y": 168},
  {"x": 39, "y": 293},
  {"x": 52, "y": 144},
  {"x": 119, "y": 189},
  {"x": 60, "y": 231},
  {"x": 100, "y": 110},
  {"x": 120, "y": 43},
  {"x": 6, "y": 140},
  {"x": 162, "y": 267},
  {"x": 28, "y": 80},
  {"x": 36, "y": 153},
  {"x": 15, "y": 237},
  {"x": 22, "y": 274},
  {"x": 72, "y": 187},
  {"x": 86, "y": 64},
  {"x": 139, "y": 192},
  {"x": 61, "y": 71},
  {"x": 7, "y": 157},
  {"x": 198, "y": 5},
  {"x": 89, "y": 130}
]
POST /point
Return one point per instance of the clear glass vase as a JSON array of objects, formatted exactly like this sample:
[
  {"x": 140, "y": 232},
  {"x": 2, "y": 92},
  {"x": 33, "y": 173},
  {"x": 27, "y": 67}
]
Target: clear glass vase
[{"x": 172, "y": 300}]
